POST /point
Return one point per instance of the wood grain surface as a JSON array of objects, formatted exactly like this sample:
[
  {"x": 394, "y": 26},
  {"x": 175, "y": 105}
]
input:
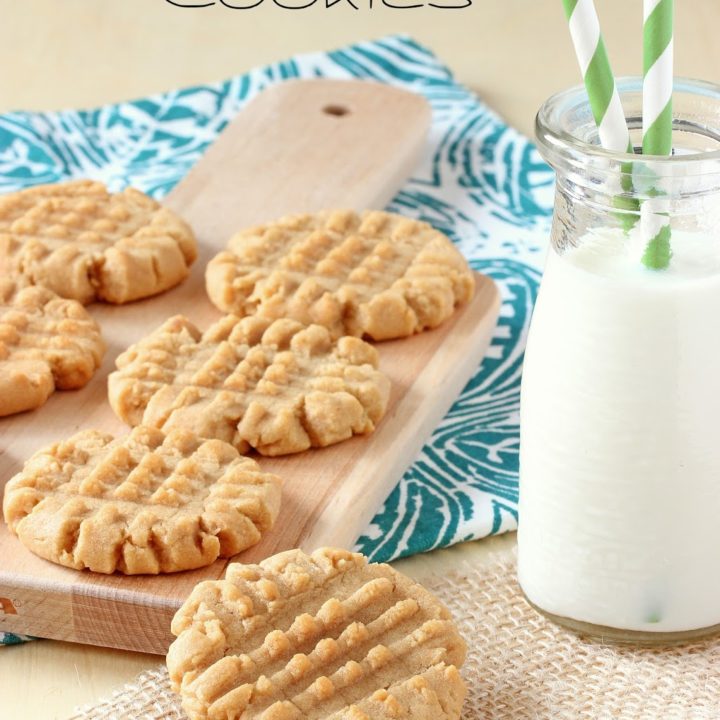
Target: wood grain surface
[{"x": 304, "y": 145}]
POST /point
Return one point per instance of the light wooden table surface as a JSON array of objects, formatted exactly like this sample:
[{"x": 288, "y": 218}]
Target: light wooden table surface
[{"x": 77, "y": 53}]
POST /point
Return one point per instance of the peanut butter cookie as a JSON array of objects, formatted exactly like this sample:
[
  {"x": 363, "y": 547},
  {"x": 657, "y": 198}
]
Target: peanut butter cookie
[
  {"x": 87, "y": 244},
  {"x": 276, "y": 386},
  {"x": 377, "y": 274},
  {"x": 46, "y": 343},
  {"x": 144, "y": 503},
  {"x": 323, "y": 636}
]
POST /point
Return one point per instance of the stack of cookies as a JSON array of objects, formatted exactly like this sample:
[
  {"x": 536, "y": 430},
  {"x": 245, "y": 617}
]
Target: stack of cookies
[{"x": 286, "y": 369}]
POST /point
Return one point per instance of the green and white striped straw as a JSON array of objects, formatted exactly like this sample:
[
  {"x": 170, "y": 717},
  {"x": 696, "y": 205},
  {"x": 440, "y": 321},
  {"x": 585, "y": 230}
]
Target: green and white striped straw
[
  {"x": 657, "y": 76},
  {"x": 657, "y": 120},
  {"x": 597, "y": 74}
]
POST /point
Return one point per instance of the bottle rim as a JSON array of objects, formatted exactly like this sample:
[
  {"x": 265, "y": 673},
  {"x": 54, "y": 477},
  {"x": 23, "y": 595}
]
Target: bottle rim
[{"x": 566, "y": 132}]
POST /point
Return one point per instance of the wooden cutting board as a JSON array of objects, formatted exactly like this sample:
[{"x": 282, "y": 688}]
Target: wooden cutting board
[{"x": 301, "y": 145}]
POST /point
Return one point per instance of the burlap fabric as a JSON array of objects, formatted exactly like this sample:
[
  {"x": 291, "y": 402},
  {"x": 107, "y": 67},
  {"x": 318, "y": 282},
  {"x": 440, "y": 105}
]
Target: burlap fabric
[{"x": 519, "y": 667}]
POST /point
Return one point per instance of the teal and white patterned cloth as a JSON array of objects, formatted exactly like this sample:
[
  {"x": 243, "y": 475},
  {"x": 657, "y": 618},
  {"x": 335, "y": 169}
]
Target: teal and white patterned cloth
[{"x": 480, "y": 182}]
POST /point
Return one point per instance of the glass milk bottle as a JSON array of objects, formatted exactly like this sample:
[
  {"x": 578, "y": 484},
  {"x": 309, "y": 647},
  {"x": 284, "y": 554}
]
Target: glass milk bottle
[{"x": 619, "y": 531}]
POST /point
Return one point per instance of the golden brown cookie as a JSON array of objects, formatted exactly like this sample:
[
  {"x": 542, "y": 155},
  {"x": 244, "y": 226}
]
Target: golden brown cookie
[
  {"x": 85, "y": 243},
  {"x": 276, "y": 386},
  {"x": 301, "y": 637},
  {"x": 46, "y": 343},
  {"x": 144, "y": 503},
  {"x": 377, "y": 274}
]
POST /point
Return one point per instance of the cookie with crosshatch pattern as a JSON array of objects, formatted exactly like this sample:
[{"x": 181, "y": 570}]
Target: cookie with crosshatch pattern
[
  {"x": 276, "y": 386},
  {"x": 46, "y": 343},
  {"x": 375, "y": 274},
  {"x": 86, "y": 243},
  {"x": 305, "y": 637},
  {"x": 148, "y": 502}
]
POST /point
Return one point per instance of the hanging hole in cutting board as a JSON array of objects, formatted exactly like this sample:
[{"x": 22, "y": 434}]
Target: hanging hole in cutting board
[{"x": 336, "y": 110}]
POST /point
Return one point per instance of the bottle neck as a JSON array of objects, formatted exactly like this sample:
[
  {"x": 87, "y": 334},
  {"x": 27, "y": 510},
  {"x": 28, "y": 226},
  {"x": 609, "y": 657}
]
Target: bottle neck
[
  {"x": 597, "y": 189},
  {"x": 590, "y": 200}
]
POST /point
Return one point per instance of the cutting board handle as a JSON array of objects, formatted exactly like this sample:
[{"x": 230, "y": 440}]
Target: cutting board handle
[{"x": 301, "y": 146}]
